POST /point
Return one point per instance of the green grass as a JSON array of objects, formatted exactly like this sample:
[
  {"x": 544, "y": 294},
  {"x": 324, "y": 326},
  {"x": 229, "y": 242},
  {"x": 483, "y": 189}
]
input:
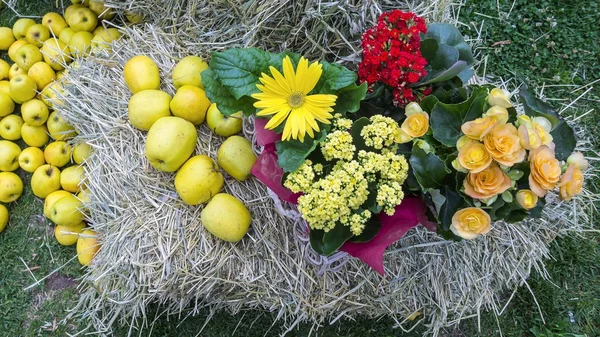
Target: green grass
[{"x": 570, "y": 304}]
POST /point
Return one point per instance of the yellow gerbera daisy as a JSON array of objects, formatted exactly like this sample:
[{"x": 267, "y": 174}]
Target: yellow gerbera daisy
[{"x": 286, "y": 96}]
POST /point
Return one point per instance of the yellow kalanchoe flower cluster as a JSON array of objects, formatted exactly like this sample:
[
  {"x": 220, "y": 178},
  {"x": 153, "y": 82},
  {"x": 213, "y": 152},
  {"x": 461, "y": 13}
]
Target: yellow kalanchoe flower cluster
[
  {"x": 389, "y": 196},
  {"x": 303, "y": 178},
  {"x": 382, "y": 132},
  {"x": 338, "y": 145},
  {"x": 357, "y": 221},
  {"x": 389, "y": 166},
  {"x": 340, "y": 123}
]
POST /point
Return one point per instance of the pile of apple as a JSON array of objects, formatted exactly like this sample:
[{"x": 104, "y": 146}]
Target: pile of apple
[
  {"x": 27, "y": 97},
  {"x": 171, "y": 141}
]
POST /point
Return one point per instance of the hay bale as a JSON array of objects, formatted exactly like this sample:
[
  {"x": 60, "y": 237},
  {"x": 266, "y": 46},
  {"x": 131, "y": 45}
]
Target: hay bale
[{"x": 156, "y": 251}]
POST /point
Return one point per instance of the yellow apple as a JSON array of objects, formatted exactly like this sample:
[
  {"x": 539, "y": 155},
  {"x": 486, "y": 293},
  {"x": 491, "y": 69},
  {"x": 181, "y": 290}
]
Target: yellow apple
[
  {"x": 98, "y": 30},
  {"x": 198, "y": 180},
  {"x": 190, "y": 103},
  {"x": 221, "y": 124},
  {"x": 20, "y": 28},
  {"x": 3, "y": 217},
  {"x": 10, "y": 127},
  {"x": 69, "y": 10},
  {"x": 141, "y": 73},
  {"x": 60, "y": 74},
  {"x": 66, "y": 211},
  {"x": 147, "y": 106},
  {"x": 15, "y": 71},
  {"x": 5, "y": 89},
  {"x": 31, "y": 158},
  {"x": 42, "y": 73},
  {"x": 67, "y": 236},
  {"x": 87, "y": 247},
  {"x": 6, "y": 38},
  {"x": 35, "y": 136},
  {"x": 170, "y": 142},
  {"x": 81, "y": 43},
  {"x": 105, "y": 37},
  {"x": 83, "y": 196},
  {"x": 81, "y": 152},
  {"x": 9, "y": 156},
  {"x": 71, "y": 178},
  {"x": 134, "y": 19},
  {"x": 4, "y": 69},
  {"x": 51, "y": 199},
  {"x": 27, "y": 56},
  {"x": 52, "y": 95},
  {"x": 55, "y": 23},
  {"x": 34, "y": 112},
  {"x": 12, "y": 51},
  {"x": 58, "y": 153},
  {"x": 103, "y": 12},
  {"x": 11, "y": 187},
  {"x": 82, "y": 19},
  {"x": 37, "y": 34},
  {"x": 236, "y": 157},
  {"x": 22, "y": 88},
  {"x": 187, "y": 72},
  {"x": 45, "y": 180},
  {"x": 7, "y": 106},
  {"x": 59, "y": 128},
  {"x": 66, "y": 34},
  {"x": 226, "y": 217},
  {"x": 56, "y": 53}
]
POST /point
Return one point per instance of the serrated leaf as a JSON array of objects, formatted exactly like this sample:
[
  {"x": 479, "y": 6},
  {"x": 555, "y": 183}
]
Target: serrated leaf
[
  {"x": 428, "y": 168},
  {"x": 564, "y": 139},
  {"x": 292, "y": 153},
  {"x": 239, "y": 69},
  {"x": 337, "y": 77},
  {"x": 227, "y": 103},
  {"x": 349, "y": 98}
]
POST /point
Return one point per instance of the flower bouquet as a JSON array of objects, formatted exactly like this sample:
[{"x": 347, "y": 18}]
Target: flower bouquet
[{"x": 368, "y": 155}]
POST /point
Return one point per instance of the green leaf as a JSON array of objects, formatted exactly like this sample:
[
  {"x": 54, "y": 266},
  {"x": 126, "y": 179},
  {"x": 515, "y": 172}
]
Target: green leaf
[
  {"x": 429, "y": 48},
  {"x": 371, "y": 229},
  {"x": 447, "y": 119},
  {"x": 292, "y": 153},
  {"x": 227, "y": 103},
  {"x": 428, "y": 168},
  {"x": 316, "y": 240},
  {"x": 428, "y": 103},
  {"x": 564, "y": 139},
  {"x": 495, "y": 207},
  {"x": 516, "y": 216},
  {"x": 239, "y": 69},
  {"x": 445, "y": 33},
  {"x": 450, "y": 206},
  {"x": 335, "y": 238},
  {"x": 336, "y": 77},
  {"x": 538, "y": 210},
  {"x": 446, "y": 57},
  {"x": 534, "y": 106},
  {"x": 443, "y": 75},
  {"x": 349, "y": 98},
  {"x": 357, "y": 139}
]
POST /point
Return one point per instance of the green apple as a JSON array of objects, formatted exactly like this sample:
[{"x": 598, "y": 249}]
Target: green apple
[
  {"x": 35, "y": 136},
  {"x": 45, "y": 180},
  {"x": 58, "y": 153},
  {"x": 52, "y": 198},
  {"x": 31, "y": 158},
  {"x": 198, "y": 180},
  {"x": 3, "y": 217},
  {"x": 221, "y": 124},
  {"x": 71, "y": 178},
  {"x": 170, "y": 142},
  {"x": 11, "y": 187},
  {"x": 81, "y": 152},
  {"x": 37, "y": 34},
  {"x": 226, "y": 217},
  {"x": 22, "y": 88},
  {"x": 236, "y": 157},
  {"x": 81, "y": 43},
  {"x": 188, "y": 70},
  {"x": 59, "y": 128},
  {"x": 66, "y": 211},
  {"x": 20, "y": 28},
  {"x": 148, "y": 106},
  {"x": 52, "y": 95},
  {"x": 4, "y": 69},
  {"x": 55, "y": 23},
  {"x": 34, "y": 112},
  {"x": 7, "y": 105},
  {"x": 9, "y": 156},
  {"x": 82, "y": 19},
  {"x": 56, "y": 53},
  {"x": 27, "y": 56}
]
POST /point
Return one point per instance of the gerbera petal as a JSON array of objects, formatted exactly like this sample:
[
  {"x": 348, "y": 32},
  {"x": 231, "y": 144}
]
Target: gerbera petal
[
  {"x": 271, "y": 86},
  {"x": 271, "y": 110},
  {"x": 287, "y": 130},
  {"x": 321, "y": 99},
  {"x": 281, "y": 80},
  {"x": 313, "y": 74},
  {"x": 301, "y": 71},
  {"x": 278, "y": 118},
  {"x": 289, "y": 73},
  {"x": 312, "y": 123},
  {"x": 266, "y": 103}
]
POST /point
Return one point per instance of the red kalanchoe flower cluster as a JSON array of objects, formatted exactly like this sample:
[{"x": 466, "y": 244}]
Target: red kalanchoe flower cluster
[{"x": 392, "y": 54}]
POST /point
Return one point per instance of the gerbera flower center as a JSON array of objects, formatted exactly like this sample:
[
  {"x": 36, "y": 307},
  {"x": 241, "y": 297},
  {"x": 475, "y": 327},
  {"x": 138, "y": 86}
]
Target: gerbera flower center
[{"x": 296, "y": 99}]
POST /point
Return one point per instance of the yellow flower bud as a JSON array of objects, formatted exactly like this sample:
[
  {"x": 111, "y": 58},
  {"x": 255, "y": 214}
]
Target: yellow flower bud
[
  {"x": 534, "y": 132},
  {"x": 458, "y": 167},
  {"x": 412, "y": 108},
  {"x": 470, "y": 222},
  {"x": 462, "y": 141},
  {"x": 474, "y": 157},
  {"x": 478, "y": 128},
  {"x": 416, "y": 124},
  {"x": 526, "y": 199},
  {"x": 499, "y": 97},
  {"x": 402, "y": 137},
  {"x": 498, "y": 112},
  {"x": 571, "y": 183},
  {"x": 579, "y": 160}
]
